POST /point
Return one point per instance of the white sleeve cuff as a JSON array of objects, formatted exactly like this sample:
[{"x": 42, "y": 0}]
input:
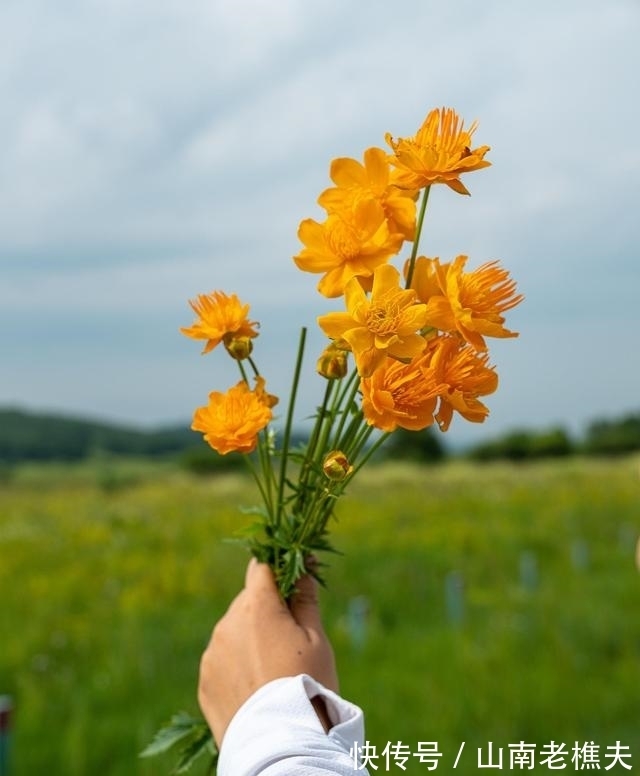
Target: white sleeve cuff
[{"x": 277, "y": 732}]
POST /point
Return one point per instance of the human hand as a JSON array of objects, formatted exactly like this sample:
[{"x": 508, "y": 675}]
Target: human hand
[{"x": 261, "y": 638}]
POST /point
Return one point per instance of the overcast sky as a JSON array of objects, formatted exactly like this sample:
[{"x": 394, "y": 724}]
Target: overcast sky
[{"x": 151, "y": 151}]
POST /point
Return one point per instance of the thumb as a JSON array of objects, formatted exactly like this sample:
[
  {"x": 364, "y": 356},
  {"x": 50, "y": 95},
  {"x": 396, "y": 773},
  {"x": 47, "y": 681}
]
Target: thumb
[
  {"x": 303, "y": 604},
  {"x": 260, "y": 584}
]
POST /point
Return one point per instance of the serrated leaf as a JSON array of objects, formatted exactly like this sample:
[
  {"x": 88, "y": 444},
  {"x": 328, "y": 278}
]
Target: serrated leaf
[
  {"x": 246, "y": 531},
  {"x": 180, "y": 727},
  {"x": 254, "y": 510},
  {"x": 201, "y": 744},
  {"x": 320, "y": 543}
]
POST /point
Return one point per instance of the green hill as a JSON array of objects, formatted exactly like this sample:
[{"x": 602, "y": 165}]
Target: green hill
[{"x": 40, "y": 437}]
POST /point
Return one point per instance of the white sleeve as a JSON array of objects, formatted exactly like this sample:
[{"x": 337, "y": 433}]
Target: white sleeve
[{"x": 277, "y": 733}]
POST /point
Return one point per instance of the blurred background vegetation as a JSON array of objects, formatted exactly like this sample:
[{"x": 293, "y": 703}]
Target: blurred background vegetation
[
  {"x": 490, "y": 595},
  {"x": 26, "y": 436}
]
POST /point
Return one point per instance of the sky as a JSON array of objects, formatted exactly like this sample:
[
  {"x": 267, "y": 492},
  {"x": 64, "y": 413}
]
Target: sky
[{"x": 153, "y": 151}]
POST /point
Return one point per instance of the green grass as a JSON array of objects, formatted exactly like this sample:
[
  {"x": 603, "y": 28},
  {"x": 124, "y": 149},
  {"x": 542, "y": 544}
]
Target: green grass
[{"x": 111, "y": 577}]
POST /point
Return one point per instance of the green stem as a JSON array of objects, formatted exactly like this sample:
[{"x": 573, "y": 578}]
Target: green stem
[
  {"x": 267, "y": 471},
  {"x": 327, "y": 506},
  {"x": 346, "y": 443},
  {"x": 288, "y": 424},
  {"x": 258, "y": 480},
  {"x": 321, "y": 422},
  {"x": 416, "y": 241},
  {"x": 253, "y": 366},
  {"x": 353, "y": 441},
  {"x": 339, "y": 397},
  {"x": 312, "y": 446},
  {"x": 322, "y": 489},
  {"x": 374, "y": 447},
  {"x": 263, "y": 453},
  {"x": 352, "y": 386},
  {"x": 243, "y": 371},
  {"x": 360, "y": 438}
]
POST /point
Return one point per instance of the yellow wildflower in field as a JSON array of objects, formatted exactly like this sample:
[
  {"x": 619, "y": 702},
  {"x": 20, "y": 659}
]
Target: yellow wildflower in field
[
  {"x": 351, "y": 243},
  {"x": 231, "y": 421},
  {"x": 471, "y": 303},
  {"x": 401, "y": 395},
  {"x": 439, "y": 153},
  {"x": 221, "y": 318},
  {"x": 386, "y": 323},
  {"x": 371, "y": 180},
  {"x": 465, "y": 376}
]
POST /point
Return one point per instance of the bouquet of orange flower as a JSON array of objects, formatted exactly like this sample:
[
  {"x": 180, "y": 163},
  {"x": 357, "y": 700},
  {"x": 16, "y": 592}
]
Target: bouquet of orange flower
[{"x": 416, "y": 334}]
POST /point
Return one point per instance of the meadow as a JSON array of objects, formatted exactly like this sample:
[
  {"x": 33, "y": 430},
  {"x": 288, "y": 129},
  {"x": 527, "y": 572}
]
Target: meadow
[{"x": 473, "y": 603}]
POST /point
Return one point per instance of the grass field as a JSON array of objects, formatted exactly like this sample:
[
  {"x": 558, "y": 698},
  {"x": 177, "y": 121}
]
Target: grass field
[{"x": 487, "y": 603}]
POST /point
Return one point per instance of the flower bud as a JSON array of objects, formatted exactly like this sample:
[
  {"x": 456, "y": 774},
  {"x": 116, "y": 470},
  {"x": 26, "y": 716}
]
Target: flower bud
[
  {"x": 332, "y": 363},
  {"x": 336, "y": 466},
  {"x": 238, "y": 347}
]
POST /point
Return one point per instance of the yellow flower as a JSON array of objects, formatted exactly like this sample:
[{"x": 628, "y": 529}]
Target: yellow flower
[
  {"x": 231, "y": 421},
  {"x": 267, "y": 399},
  {"x": 401, "y": 395},
  {"x": 220, "y": 318},
  {"x": 439, "y": 153},
  {"x": 471, "y": 303},
  {"x": 351, "y": 243},
  {"x": 427, "y": 278},
  {"x": 385, "y": 324},
  {"x": 465, "y": 375},
  {"x": 371, "y": 180}
]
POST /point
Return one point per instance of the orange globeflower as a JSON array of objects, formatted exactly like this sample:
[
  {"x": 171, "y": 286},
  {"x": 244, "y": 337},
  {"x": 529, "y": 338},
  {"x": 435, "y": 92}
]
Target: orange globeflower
[
  {"x": 231, "y": 421},
  {"x": 221, "y": 318},
  {"x": 385, "y": 324},
  {"x": 439, "y": 153},
  {"x": 268, "y": 399},
  {"x": 401, "y": 395},
  {"x": 427, "y": 278},
  {"x": 371, "y": 180},
  {"x": 351, "y": 243},
  {"x": 465, "y": 375},
  {"x": 472, "y": 303}
]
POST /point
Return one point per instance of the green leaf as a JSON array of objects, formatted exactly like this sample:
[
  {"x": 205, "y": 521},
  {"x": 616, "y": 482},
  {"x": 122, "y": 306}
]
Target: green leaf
[
  {"x": 180, "y": 727},
  {"x": 201, "y": 744},
  {"x": 191, "y": 735},
  {"x": 254, "y": 510},
  {"x": 252, "y": 529}
]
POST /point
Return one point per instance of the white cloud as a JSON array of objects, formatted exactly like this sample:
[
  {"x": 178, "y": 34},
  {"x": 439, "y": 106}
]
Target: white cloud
[{"x": 152, "y": 151}]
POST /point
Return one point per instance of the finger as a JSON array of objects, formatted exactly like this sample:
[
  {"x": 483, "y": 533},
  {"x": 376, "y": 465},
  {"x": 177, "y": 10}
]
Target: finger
[
  {"x": 260, "y": 582},
  {"x": 304, "y": 603}
]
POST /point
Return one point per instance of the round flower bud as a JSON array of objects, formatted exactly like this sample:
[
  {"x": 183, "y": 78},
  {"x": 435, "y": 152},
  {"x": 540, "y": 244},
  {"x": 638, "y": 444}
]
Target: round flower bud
[
  {"x": 332, "y": 363},
  {"x": 238, "y": 347},
  {"x": 336, "y": 466}
]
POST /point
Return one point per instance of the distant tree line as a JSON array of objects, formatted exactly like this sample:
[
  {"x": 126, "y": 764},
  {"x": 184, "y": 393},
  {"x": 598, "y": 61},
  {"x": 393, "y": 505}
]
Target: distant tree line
[
  {"x": 602, "y": 438},
  {"x": 26, "y": 436}
]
